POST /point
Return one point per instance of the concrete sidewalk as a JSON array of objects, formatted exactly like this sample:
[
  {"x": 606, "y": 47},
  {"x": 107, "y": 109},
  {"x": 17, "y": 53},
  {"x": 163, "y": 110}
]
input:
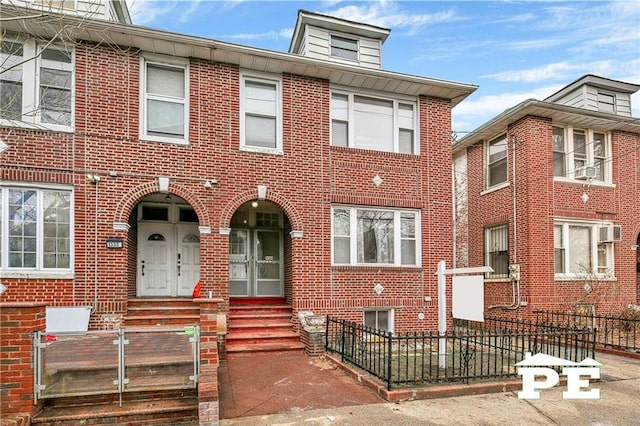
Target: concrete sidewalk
[{"x": 619, "y": 404}]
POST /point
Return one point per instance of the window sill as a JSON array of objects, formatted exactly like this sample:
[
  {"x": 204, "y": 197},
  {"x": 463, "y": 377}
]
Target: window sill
[
  {"x": 35, "y": 126},
  {"x": 592, "y": 278},
  {"x": 497, "y": 280},
  {"x": 375, "y": 268},
  {"x": 260, "y": 150},
  {"x": 160, "y": 139},
  {"x": 495, "y": 188},
  {"x": 367, "y": 151},
  {"x": 60, "y": 275},
  {"x": 584, "y": 182}
]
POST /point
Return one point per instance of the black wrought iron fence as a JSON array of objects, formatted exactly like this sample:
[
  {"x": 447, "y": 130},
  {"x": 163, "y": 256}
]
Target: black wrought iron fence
[
  {"x": 618, "y": 332},
  {"x": 468, "y": 354}
]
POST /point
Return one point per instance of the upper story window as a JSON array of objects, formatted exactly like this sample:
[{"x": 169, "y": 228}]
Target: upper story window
[
  {"x": 581, "y": 154},
  {"x": 261, "y": 114},
  {"x": 496, "y": 250},
  {"x": 36, "y": 85},
  {"x": 497, "y": 161},
  {"x": 35, "y": 229},
  {"x": 165, "y": 111},
  {"x": 580, "y": 251},
  {"x": 606, "y": 102},
  {"x": 373, "y": 123},
  {"x": 345, "y": 48},
  {"x": 373, "y": 236}
]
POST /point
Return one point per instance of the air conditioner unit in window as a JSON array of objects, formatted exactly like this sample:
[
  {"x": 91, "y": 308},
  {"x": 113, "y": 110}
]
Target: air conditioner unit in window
[
  {"x": 610, "y": 233},
  {"x": 586, "y": 172}
]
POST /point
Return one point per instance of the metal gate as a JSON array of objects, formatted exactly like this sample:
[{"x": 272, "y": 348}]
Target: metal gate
[{"x": 116, "y": 361}]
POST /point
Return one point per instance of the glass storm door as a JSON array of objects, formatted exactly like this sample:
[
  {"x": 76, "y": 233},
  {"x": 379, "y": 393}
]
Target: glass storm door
[{"x": 255, "y": 263}]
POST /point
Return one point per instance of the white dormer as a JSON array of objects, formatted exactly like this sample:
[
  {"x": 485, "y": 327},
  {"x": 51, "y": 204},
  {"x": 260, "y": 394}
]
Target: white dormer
[
  {"x": 597, "y": 94},
  {"x": 338, "y": 40}
]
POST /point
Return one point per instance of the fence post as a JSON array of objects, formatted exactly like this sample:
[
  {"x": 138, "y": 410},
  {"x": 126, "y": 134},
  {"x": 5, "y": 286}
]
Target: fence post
[{"x": 389, "y": 357}]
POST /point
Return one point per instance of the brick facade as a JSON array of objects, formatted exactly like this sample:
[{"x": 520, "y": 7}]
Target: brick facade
[
  {"x": 530, "y": 203},
  {"x": 304, "y": 182}
]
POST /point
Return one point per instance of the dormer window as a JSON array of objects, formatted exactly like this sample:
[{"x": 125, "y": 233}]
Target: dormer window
[
  {"x": 606, "y": 102},
  {"x": 344, "y": 48}
]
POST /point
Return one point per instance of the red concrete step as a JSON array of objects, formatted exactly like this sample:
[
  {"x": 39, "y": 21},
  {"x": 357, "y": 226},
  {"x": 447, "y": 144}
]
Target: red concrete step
[
  {"x": 150, "y": 408},
  {"x": 161, "y": 312},
  {"x": 266, "y": 347}
]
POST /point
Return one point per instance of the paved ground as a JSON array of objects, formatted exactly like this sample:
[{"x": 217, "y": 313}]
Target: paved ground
[{"x": 286, "y": 385}]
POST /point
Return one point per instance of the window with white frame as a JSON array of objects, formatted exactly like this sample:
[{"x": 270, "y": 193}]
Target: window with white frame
[
  {"x": 497, "y": 161},
  {"x": 366, "y": 122},
  {"x": 578, "y": 252},
  {"x": 36, "y": 84},
  {"x": 577, "y": 149},
  {"x": 379, "y": 319},
  {"x": 345, "y": 48},
  {"x": 496, "y": 250},
  {"x": 165, "y": 106},
  {"x": 261, "y": 113},
  {"x": 35, "y": 229},
  {"x": 372, "y": 236},
  {"x": 606, "y": 102}
]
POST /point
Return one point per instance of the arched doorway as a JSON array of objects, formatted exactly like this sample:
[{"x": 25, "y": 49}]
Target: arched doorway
[
  {"x": 168, "y": 260},
  {"x": 256, "y": 251}
]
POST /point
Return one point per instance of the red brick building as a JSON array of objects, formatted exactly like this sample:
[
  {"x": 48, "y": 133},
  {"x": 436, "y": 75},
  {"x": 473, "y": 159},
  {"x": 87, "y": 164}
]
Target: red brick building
[
  {"x": 138, "y": 162},
  {"x": 547, "y": 194}
]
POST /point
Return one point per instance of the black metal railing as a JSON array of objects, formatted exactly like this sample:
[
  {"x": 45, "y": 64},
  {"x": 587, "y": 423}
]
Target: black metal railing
[
  {"x": 465, "y": 355},
  {"x": 617, "y": 332}
]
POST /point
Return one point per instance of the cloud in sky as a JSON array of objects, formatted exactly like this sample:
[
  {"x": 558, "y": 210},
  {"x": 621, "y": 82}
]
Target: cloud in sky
[{"x": 387, "y": 14}]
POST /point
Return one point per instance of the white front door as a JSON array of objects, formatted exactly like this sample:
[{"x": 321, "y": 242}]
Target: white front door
[{"x": 168, "y": 259}]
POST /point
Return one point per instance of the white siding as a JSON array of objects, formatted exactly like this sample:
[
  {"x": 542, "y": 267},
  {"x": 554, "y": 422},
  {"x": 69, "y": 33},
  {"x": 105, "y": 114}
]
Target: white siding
[
  {"x": 586, "y": 97},
  {"x": 316, "y": 44}
]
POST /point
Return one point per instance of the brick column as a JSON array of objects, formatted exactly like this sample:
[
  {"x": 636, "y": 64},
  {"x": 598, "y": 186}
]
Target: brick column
[
  {"x": 18, "y": 322},
  {"x": 208, "y": 400}
]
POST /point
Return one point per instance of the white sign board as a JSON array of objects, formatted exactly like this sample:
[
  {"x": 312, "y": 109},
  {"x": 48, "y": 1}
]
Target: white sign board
[{"x": 468, "y": 297}]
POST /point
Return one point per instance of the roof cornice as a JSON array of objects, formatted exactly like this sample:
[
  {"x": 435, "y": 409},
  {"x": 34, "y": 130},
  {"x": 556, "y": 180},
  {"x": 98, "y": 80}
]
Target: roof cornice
[
  {"x": 175, "y": 44},
  {"x": 559, "y": 113}
]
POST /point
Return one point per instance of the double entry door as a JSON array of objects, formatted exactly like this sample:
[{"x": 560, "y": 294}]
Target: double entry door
[
  {"x": 255, "y": 263},
  {"x": 168, "y": 259}
]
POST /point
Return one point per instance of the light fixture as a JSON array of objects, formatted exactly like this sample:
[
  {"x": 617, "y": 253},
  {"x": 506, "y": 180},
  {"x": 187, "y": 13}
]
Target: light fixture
[
  {"x": 3, "y": 288},
  {"x": 254, "y": 204},
  {"x": 93, "y": 178},
  {"x": 208, "y": 184},
  {"x": 167, "y": 198}
]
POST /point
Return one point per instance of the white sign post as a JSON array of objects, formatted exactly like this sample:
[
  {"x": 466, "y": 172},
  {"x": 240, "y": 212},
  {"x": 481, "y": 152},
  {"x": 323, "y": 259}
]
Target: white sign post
[{"x": 442, "y": 273}]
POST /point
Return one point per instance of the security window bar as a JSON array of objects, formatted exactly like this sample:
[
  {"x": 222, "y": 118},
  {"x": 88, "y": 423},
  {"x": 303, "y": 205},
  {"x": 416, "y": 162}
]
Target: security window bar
[
  {"x": 497, "y": 161},
  {"x": 365, "y": 122},
  {"x": 366, "y": 236},
  {"x": 496, "y": 250}
]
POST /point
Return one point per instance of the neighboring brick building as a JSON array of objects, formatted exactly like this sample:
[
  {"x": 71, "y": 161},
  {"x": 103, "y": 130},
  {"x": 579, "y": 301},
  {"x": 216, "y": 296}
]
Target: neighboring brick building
[
  {"x": 139, "y": 162},
  {"x": 552, "y": 187}
]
